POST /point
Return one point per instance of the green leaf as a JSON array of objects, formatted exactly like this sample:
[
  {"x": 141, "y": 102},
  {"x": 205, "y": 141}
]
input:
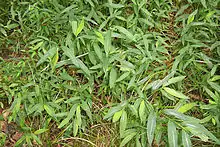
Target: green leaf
[
  {"x": 123, "y": 76},
  {"x": 172, "y": 134},
  {"x": 112, "y": 78},
  {"x": 175, "y": 93},
  {"x": 167, "y": 95},
  {"x": 210, "y": 14},
  {"x": 86, "y": 108},
  {"x": 127, "y": 139},
  {"x": 112, "y": 111},
  {"x": 78, "y": 116},
  {"x": 174, "y": 80},
  {"x": 215, "y": 78},
  {"x": 214, "y": 86},
  {"x": 107, "y": 43},
  {"x": 211, "y": 94},
  {"x": 186, "y": 107},
  {"x": 20, "y": 140},
  {"x": 73, "y": 99},
  {"x": 200, "y": 131},
  {"x": 64, "y": 122},
  {"x": 80, "y": 27},
  {"x": 55, "y": 59},
  {"x": 151, "y": 125},
  {"x": 50, "y": 53},
  {"x": 192, "y": 16},
  {"x": 74, "y": 27},
  {"x": 92, "y": 58},
  {"x": 204, "y": 3},
  {"x": 117, "y": 116},
  {"x": 186, "y": 139},
  {"x": 40, "y": 131},
  {"x": 77, "y": 62},
  {"x": 75, "y": 127},
  {"x": 180, "y": 115},
  {"x": 213, "y": 70},
  {"x": 124, "y": 31},
  {"x": 132, "y": 82},
  {"x": 12, "y": 26},
  {"x": 36, "y": 139},
  {"x": 72, "y": 111},
  {"x": 3, "y": 31},
  {"x": 49, "y": 110},
  {"x": 142, "y": 111},
  {"x": 100, "y": 37},
  {"x": 123, "y": 123},
  {"x": 98, "y": 51},
  {"x": 181, "y": 10}
]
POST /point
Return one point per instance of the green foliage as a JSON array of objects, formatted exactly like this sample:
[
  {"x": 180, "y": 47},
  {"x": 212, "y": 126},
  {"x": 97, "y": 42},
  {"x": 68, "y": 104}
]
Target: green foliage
[{"x": 150, "y": 64}]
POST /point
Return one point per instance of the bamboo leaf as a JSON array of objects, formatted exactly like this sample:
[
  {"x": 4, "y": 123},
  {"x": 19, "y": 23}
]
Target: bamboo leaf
[
  {"x": 127, "y": 139},
  {"x": 112, "y": 111},
  {"x": 74, "y": 27},
  {"x": 123, "y": 76},
  {"x": 107, "y": 43},
  {"x": 86, "y": 108},
  {"x": 172, "y": 134},
  {"x": 40, "y": 131},
  {"x": 174, "y": 80},
  {"x": 112, "y": 78},
  {"x": 80, "y": 27},
  {"x": 175, "y": 93},
  {"x": 215, "y": 86},
  {"x": 124, "y": 31},
  {"x": 78, "y": 116},
  {"x": 50, "y": 53},
  {"x": 186, "y": 107},
  {"x": 55, "y": 59},
  {"x": 142, "y": 111},
  {"x": 200, "y": 131},
  {"x": 123, "y": 123},
  {"x": 192, "y": 16},
  {"x": 77, "y": 62},
  {"x": 151, "y": 125},
  {"x": 98, "y": 51},
  {"x": 64, "y": 122},
  {"x": 186, "y": 139},
  {"x": 117, "y": 116},
  {"x": 36, "y": 139},
  {"x": 49, "y": 110},
  {"x": 204, "y": 3},
  {"x": 75, "y": 127}
]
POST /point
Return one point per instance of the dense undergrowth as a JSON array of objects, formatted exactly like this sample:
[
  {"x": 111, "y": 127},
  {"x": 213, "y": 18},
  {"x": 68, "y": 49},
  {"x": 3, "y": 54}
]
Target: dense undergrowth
[{"x": 111, "y": 73}]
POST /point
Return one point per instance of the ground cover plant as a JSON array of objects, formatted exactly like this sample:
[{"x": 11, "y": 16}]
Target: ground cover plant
[{"x": 110, "y": 73}]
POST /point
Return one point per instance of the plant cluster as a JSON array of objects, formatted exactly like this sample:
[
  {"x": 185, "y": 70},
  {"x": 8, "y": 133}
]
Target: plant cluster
[{"x": 149, "y": 68}]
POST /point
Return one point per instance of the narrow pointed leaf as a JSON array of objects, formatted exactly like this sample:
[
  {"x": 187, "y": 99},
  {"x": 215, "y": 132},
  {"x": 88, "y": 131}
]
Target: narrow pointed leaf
[
  {"x": 40, "y": 131},
  {"x": 50, "y": 53},
  {"x": 142, "y": 112},
  {"x": 123, "y": 123},
  {"x": 123, "y": 76},
  {"x": 186, "y": 139},
  {"x": 186, "y": 107},
  {"x": 80, "y": 27},
  {"x": 172, "y": 135},
  {"x": 64, "y": 122},
  {"x": 127, "y": 139},
  {"x": 112, "y": 78},
  {"x": 117, "y": 116},
  {"x": 175, "y": 93},
  {"x": 151, "y": 125}
]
